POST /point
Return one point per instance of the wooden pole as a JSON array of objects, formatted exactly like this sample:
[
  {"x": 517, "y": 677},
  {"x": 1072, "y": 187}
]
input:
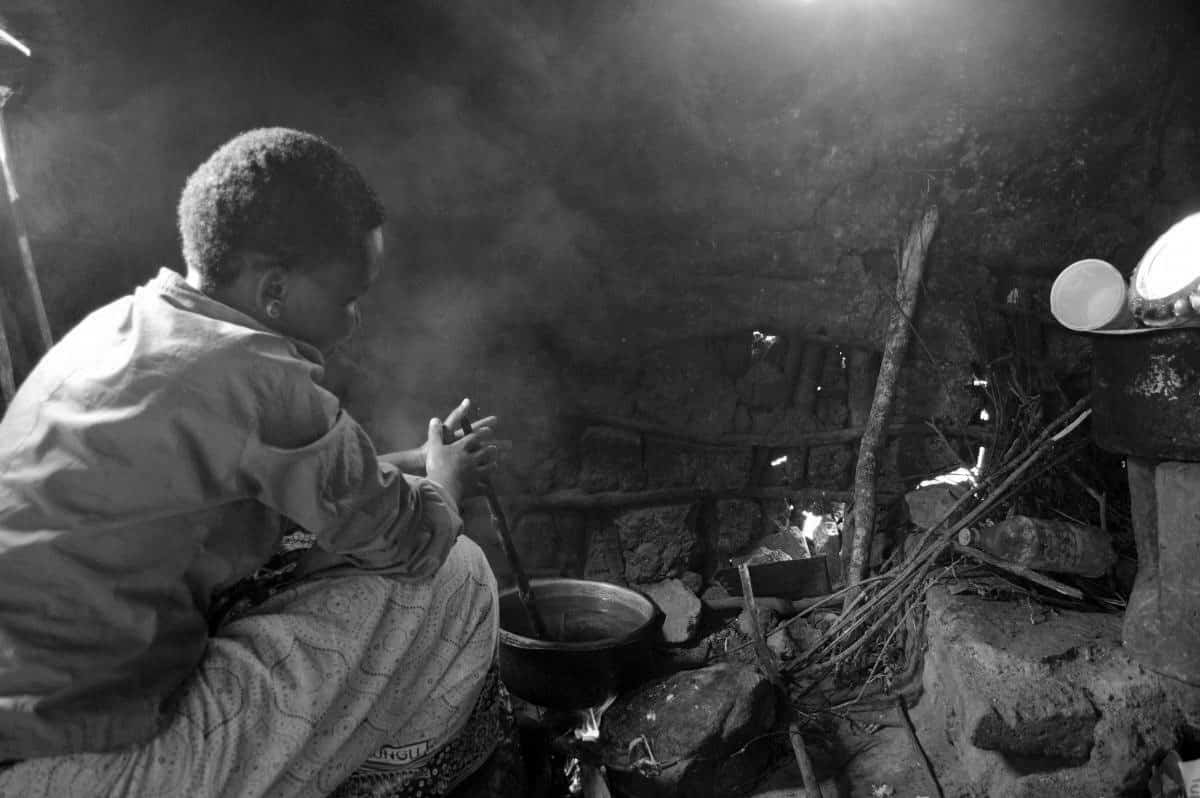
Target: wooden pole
[
  {"x": 580, "y": 501},
  {"x": 766, "y": 660},
  {"x": 8, "y": 387},
  {"x": 785, "y": 440},
  {"x": 35, "y": 291},
  {"x": 812, "y": 787},
  {"x": 1019, "y": 570},
  {"x": 770, "y": 669},
  {"x": 908, "y": 285},
  {"x": 537, "y": 624}
]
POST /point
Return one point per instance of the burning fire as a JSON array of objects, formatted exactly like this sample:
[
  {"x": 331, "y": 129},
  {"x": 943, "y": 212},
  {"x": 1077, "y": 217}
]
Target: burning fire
[
  {"x": 589, "y": 722},
  {"x": 584, "y": 775}
]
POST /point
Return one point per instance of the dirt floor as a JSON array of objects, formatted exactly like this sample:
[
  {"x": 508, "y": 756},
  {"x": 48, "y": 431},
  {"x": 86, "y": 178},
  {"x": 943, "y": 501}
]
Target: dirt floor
[{"x": 877, "y": 760}]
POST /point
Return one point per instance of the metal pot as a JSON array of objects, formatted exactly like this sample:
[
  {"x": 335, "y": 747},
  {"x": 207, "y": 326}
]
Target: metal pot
[
  {"x": 603, "y": 638},
  {"x": 1143, "y": 394}
]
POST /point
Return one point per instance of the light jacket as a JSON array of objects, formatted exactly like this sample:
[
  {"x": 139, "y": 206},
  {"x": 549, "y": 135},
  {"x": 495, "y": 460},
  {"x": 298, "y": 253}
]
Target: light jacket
[{"x": 146, "y": 462}]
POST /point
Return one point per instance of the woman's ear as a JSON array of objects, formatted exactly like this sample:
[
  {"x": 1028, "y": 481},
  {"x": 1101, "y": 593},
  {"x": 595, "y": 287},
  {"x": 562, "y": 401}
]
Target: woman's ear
[{"x": 271, "y": 291}]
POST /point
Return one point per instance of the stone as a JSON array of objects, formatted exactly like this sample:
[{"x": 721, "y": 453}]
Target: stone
[
  {"x": 674, "y": 464},
  {"x": 804, "y": 634},
  {"x": 680, "y": 608},
  {"x": 709, "y": 729},
  {"x": 767, "y": 619},
  {"x": 657, "y": 542},
  {"x": 610, "y": 459},
  {"x": 739, "y": 522},
  {"x": 829, "y": 466},
  {"x": 929, "y": 505},
  {"x": 1049, "y": 720},
  {"x": 777, "y": 514},
  {"x": 605, "y": 560},
  {"x": 550, "y": 544},
  {"x": 763, "y": 386},
  {"x": 1162, "y": 621},
  {"x": 682, "y": 386},
  {"x": 1040, "y": 703},
  {"x": 693, "y": 581},
  {"x": 790, "y": 541}
]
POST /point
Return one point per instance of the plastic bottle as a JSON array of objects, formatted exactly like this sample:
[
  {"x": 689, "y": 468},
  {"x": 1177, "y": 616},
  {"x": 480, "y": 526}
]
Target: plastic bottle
[{"x": 1045, "y": 545}]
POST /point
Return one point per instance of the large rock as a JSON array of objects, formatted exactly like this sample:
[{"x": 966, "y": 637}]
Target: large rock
[
  {"x": 610, "y": 459},
  {"x": 1162, "y": 621},
  {"x": 550, "y": 544},
  {"x": 674, "y": 464},
  {"x": 739, "y": 523},
  {"x": 829, "y": 467},
  {"x": 706, "y": 728},
  {"x": 927, "y": 506},
  {"x": 1040, "y": 702},
  {"x": 680, "y": 608},
  {"x": 657, "y": 542},
  {"x": 605, "y": 560}
]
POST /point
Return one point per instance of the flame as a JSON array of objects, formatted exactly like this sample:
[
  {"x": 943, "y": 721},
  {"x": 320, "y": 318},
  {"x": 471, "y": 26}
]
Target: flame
[{"x": 589, "y": 722}]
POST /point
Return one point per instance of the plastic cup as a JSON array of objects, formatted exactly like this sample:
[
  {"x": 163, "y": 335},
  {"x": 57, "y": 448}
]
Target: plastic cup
[{"x": 1090, "y": 295}]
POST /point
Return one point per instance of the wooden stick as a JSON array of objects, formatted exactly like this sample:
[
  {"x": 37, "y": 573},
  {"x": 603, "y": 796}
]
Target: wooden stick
[
  {"x": 18, "y": 221},
  {"x": 579, "y": 500},
  {"x": 8, "y": 385},
  {"x": 1019, "y": 570},
  {"x": 788, "y": 440},
  {"x": 906, "y": 721},
  {"x": 912, "y": 266},
  {"x": 524, "y": 589},
  {"x": 766, "y": 660},
  {"x": 812, "y": 787},
  {"x": 784, "y": 607}
]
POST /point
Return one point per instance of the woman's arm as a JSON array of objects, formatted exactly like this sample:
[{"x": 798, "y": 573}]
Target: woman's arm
[
  {"x": 409, "y": 461},
  {"x": 412, "y": 461}
]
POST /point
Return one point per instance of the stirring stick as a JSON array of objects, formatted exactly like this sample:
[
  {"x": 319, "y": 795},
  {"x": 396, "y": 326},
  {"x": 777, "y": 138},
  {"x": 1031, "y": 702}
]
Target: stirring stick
[{"x": 524, "y": 589}]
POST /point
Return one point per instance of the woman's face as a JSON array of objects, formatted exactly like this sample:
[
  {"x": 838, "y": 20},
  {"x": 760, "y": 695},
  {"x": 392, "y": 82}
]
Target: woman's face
[{"x": 320, "y": 306}]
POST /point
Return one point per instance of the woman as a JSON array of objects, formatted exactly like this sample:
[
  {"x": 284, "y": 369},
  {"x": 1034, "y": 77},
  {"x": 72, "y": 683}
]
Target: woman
[{"x": 153, "y": 458}]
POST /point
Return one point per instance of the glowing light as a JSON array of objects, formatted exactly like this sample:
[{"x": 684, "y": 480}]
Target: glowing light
[
  {"x": 977, "y": 382},
  {"x": 15, "y": 42},
  {"x": 778, "y": 461},
  {"x": 589, "y": 721},
  {"x": 959, "y": 476},
  {"x": 812, "y": 522},
  {"x": 984, "y": 415}
]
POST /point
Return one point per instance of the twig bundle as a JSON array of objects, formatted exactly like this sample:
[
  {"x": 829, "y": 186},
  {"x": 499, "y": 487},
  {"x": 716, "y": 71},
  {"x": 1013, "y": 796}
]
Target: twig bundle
[{"x": 875, "y": 614}]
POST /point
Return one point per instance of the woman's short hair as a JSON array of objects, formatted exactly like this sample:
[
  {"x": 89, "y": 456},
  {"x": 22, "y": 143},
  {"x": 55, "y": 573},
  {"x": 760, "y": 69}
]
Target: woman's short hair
[{"x": 278, "y": 192}]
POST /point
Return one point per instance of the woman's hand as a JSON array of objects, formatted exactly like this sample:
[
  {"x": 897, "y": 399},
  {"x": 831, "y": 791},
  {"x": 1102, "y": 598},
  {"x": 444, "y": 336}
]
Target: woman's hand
[{"x": 460, "y": 462}]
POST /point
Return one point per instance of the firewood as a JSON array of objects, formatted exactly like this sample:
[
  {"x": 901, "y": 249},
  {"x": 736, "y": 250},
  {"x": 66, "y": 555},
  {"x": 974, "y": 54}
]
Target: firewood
[{"x": 908, "y": 284}]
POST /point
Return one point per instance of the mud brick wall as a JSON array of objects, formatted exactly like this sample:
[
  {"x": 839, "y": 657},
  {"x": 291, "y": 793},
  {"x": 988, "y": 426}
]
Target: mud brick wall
[{"x": 593, "y": 206}]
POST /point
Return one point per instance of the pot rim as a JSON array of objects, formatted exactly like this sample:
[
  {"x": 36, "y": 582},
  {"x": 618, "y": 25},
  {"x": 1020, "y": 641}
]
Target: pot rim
[{"x": 634, "y": 635}]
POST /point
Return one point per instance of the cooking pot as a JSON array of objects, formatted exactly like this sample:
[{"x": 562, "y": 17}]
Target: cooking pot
[{"x": 601, "y": 643}]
